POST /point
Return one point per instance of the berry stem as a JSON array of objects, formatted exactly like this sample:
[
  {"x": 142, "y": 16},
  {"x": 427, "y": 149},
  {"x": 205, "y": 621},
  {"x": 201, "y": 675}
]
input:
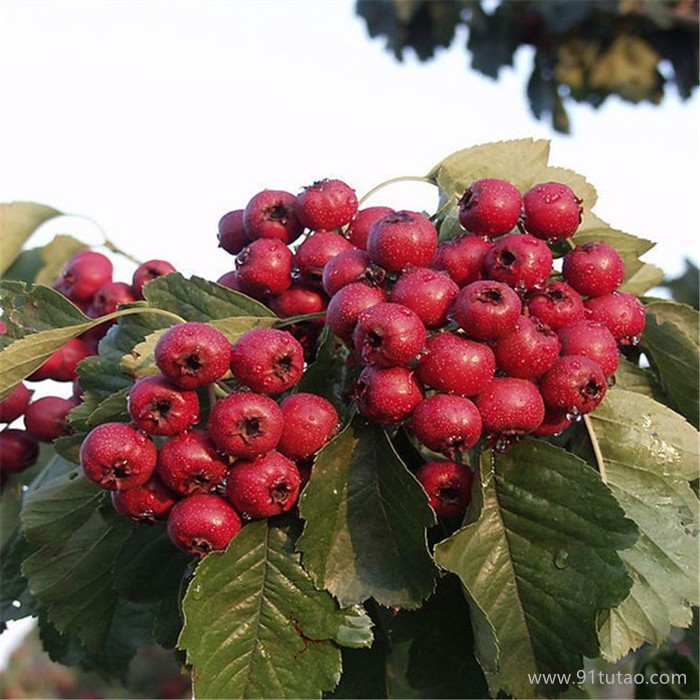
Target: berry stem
[
  {"x": 447, "y": 205},
  {"x": 115, "y": 249},
  {"x": 596, "y": 448},
  {"x": 296, "y": 319},
  {"x": 391, "y": 181}
]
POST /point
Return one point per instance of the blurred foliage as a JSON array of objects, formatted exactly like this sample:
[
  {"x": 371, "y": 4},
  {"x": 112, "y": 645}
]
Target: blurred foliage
[
  {"x": 686, "y": 287},
  {"x": 30, "y": 673},
  {"x": 584, "y": 50}
]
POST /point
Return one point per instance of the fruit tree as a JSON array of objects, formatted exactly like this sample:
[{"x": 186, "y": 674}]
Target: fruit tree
[{"x": 391, "y": 453}]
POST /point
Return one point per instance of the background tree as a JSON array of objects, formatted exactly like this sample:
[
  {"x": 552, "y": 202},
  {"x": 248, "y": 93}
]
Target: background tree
[{"x": 584, "y": 51}]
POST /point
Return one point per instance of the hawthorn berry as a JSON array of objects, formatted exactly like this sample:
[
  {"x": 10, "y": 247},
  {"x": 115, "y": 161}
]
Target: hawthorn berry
[
  {"x": 528, "y": 351},
  {"x": 231, "y": 280},
  {"x": 264, "y": 267},
  {"x": 389, "y": 334},
  {"x": 109, "y": 297},
  {"x": 557, "y": 305},
  {"x": 297, "y": 300},
  {"x": 47, "y": 418},
  {"x": 387, "y": 395},
  {"x": 347, "y": 304},
  {"x": 310, "y": 421},
  {"x": 202, "y": 523},
  {"x": 551, "y": 211},
  {"x": 358, "y": 230},
  {"x": 315, "y": 251},
  {"x": 272, "y": 214},
  {"x": 83, "y": 275},
  {"x": 147, "y": 503},
  {"x": 347, "y": 267},
  {"x": 520, "y": 260},
  {"x": 428, "y": 293},
  {"x": 265, "y": 486},
  {"x": 245, "y": 424},
  {"x": 446, "y": 423},
  {"x": 19, "y": 450},
  {"x": 593, "y": 269},
  {"x": 487, "y": 309},
  {"x": 448, "y": 485},
  {"x": 326, "y": 205},
  {"x": 117, "y": 456},
  {"x": 593, "y": 340},
  {"x": 150, "y": 270},
  {"x": 402, "y": 239},
  {"x": 575, "y": 385},
  {"x": 15, "y": 403},
  {"x": 232, "y": 235},
  {"x": 462, "y": 258},
  {"x": 267, "y": 360},
  {"x": 189, "y": 463},
  {"x": 490, "y": 207},
  {"x": 192, "y": 354},
  {"x": 456, "y": 365},
  {"x": 159, "y": 408},
  {"x": 61, "y": 365},
  {"x": 622, "y": 313}
]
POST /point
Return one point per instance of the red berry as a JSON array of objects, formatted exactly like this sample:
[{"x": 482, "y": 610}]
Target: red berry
[
  {"x": 47, "y": 418},
  {"x": 189, "y": 463},
  {"x": 575, "y": 385},
  {"x": 265, "y": 486},
  {"x": 310, "y": 421},
  {"x": 519, "y": 260},
  {"x": 264, "y": 267},
  {"x": 232, "y": 234},
  {"x": 402, "y": 239},
  {"x": 490, "y": 207},
  {"x": 193, "y": 354},
  {"x": 231, "y": 280},
  {"x": 15, "y": 403},
  {"x": 245, "y": 424},
  {"x": 448, "y": 485},
  {"x": 61, "y": 366},
  {"x": 144, "y": 504},
  {"x": 387, "y": 395},
  {"x": 109, "y": 297},
  {"x": 486, "y": 309},
  {"x": 117, "y": 456},
  {"x": 272, "y": 214},
  {"x": 202, "y": 523},
  {"x": 388, "y": 335},
  {"x": 326, "y": 205},
  {"x": 462, "y": 258},
  {"x": 552, "y": 211},
  {"x": 446, "y": 423},
  {"x": 159, "y": 408},
  {"x": 297, "y": 300},
  {"x": 593, "y": 269},
  {"x": 347, "y": 304},
  {"x": 429, "y": 293},
  {"x": 267, "y": 360},
  {"x": 359, "y": 227},
  {"x": 83, "y": 275},
  {"x": 509, "y": 408},
  {"x": 150, "y": 270},
  {"x": 318, "y": 249},
  {"x": 557, "y": 305},
  {"x": 528, "y": 351},
  {"x": 554, "y": 423},
  {"x": 456, "y": 365},
  {"x": 347, "y": 267},
  {"x": 18, "y": 450},
  {"x": 592, "y": 340},
  {"x": 623, "y": 314}
]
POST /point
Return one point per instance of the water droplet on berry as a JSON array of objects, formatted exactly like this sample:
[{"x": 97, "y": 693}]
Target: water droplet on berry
[
  {"x": 501, "y": 444},
  {"x": 561, "y": 559},
  {"x": 552, "y": 197},
  {"x": 574, "y": 415},
  {"x": 520, "y": 287},
  {"x": 635, "y": 339},
  {"x": 610, "y": 381}
]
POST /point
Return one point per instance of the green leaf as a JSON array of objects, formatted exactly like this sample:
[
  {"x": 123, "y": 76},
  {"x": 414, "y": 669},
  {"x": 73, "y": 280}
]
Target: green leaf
[
  {"x": 71, "y": 571},
  {"x": 361, "y": 492},
  {"x": 630, "y": 377},
  {"x": 197, "y": 299},
  {"x": 255, "y": 626},
  {"x": 19, "y": 221},
  {"x": 516, "y": 161},
  {"x": 670, "y": 339},
  {"x": 542, "y": 553},
  {"x": 648, "y": 454},
  {"x": 647, "y": 277},
  {"x": 55, "y": 255},
  {"x": 26, "y": 266}
]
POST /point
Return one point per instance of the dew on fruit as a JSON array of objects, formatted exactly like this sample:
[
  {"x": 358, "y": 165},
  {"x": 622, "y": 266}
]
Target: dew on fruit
[
  {"x": 552, "y": 197},
  {"x": 634, "y": 340},
  {"x": 610, "y": 381},
  {"x": 574, "y": 415},
  {"x": 501, "y": 444},
  {"x": 561, "y": 559}
]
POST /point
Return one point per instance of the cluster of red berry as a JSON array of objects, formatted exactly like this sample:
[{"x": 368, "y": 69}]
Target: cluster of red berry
[
  {"x": 86, "y": 280},
  {"x": 477, "y": 336},
  {"x": 245, "y": 465}
]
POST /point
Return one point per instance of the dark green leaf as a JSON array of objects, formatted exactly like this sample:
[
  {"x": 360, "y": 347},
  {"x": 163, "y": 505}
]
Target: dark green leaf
[
  {"x": 543, "y": 552},
  {"x": 633, "y": 378},
  {"x": 361, "y": 492},
  {"x": 26, "y": 266},
  {"x": 686, "y": 288},
  {"x": 647, "y": 454},
  {"x": 671, "y": 341},
  {"x": 363, "y": 674},
  {"x": 256, "y": 627}
]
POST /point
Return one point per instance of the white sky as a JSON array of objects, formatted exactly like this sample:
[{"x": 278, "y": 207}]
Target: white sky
[{"x": 156, "y": 117}]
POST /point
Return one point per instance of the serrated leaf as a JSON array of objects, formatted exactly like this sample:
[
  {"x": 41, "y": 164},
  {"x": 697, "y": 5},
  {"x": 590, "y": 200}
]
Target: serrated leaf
[
  {"x": 647, "y": 454},
  {"x": 360, "y": 492},
  {"x": 255, "y": 626},
  {"x": 197, "y": 299},
  {"x": 71, "y": 570},
  {"x": 671, "y": 341},
  {"x": 141, "y": 360},
  {"x": 647, "y": 277},
  {"x": 542, "y": 553},
  {"x": 515, "y": 161},
  {"x": 630, "y": 377},
  {"x": 18, "y": 221}
]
